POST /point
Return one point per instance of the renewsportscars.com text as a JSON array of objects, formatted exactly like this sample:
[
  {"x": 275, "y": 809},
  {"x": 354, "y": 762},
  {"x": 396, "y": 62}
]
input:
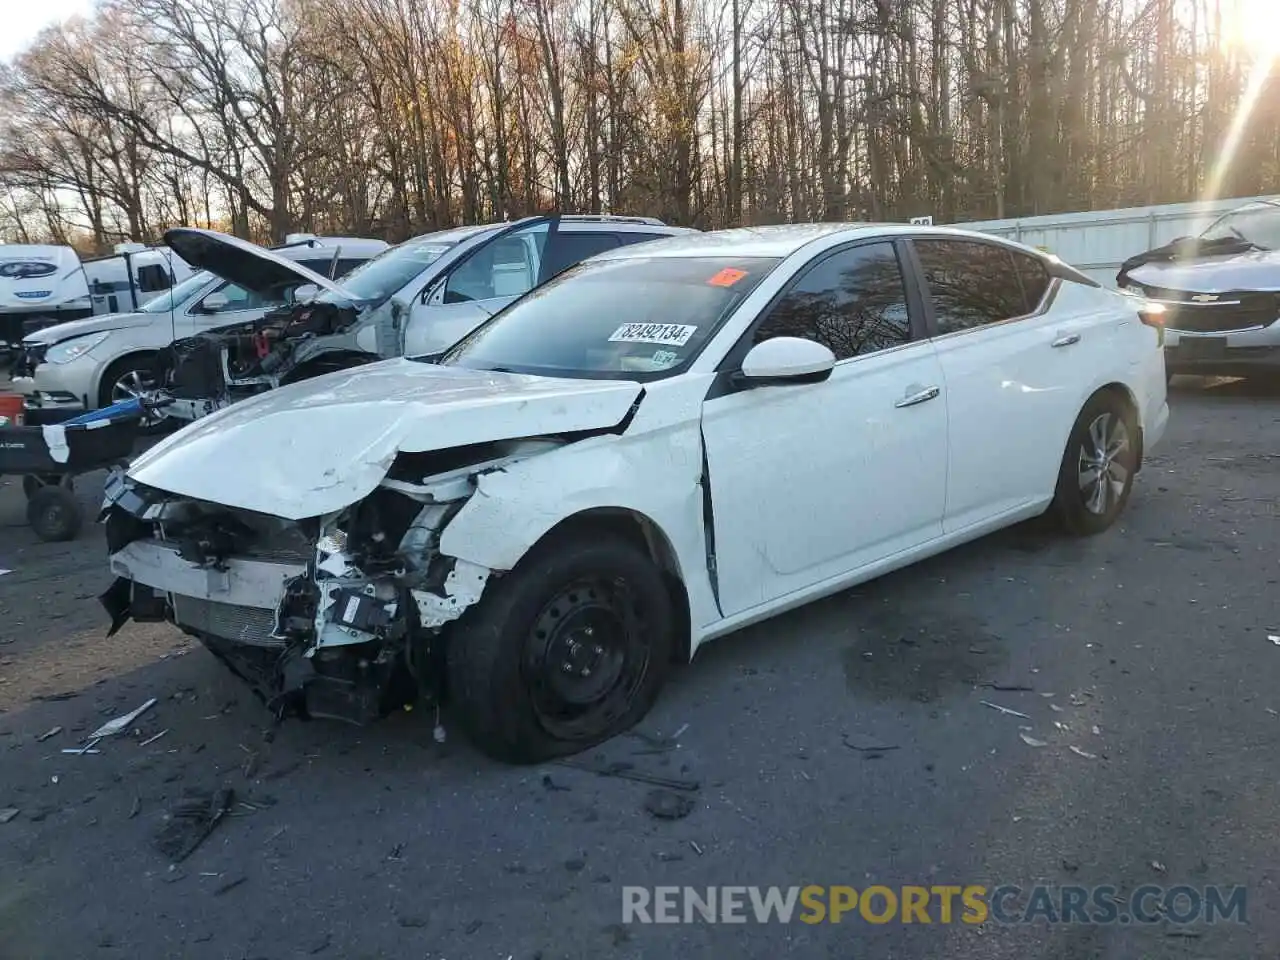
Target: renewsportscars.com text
[{"x": 971, "y": 904}]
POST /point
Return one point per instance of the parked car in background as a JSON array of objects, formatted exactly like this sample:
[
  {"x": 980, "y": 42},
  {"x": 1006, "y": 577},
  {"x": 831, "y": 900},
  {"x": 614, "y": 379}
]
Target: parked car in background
[
  {"x": 1220, "y": 291},
  {"x": 416, "y": 299},
  {"x": 659, "y": 446},
  {"x": 91, "y": 363},
  {"x": 41, "y": 286}
]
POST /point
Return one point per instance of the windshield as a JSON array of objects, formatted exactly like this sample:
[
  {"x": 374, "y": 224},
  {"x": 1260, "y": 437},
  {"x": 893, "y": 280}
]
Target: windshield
[
  {"x": 377, "y": 279},
  {"x": 641, "y": 318},
  {"x": 171, "y": 299},
  {"x": 1257, "y": 223}
]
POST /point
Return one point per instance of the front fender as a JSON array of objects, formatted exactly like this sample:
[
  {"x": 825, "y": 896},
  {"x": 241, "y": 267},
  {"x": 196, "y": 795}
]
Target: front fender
[{"x": 657, "y": 475}]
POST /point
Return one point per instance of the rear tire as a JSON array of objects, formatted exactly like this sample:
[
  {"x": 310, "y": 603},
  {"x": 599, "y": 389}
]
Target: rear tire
[
  {"x": 1098, "y": 466},
  {"x": 566, "y": 651},
  {"x": 54, "y": 514}
]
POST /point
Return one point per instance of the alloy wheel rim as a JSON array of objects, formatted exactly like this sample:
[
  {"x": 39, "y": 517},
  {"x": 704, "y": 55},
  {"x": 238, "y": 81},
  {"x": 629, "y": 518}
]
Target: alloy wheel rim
[{"x": 1103, "y": 468}]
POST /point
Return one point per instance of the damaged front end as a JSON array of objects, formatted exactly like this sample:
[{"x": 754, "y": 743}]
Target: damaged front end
[
  {"x": 339, "y": 616},
  {"x": 214, "y": 369}
]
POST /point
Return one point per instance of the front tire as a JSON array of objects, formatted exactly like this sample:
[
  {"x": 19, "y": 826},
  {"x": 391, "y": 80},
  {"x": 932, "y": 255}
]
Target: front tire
[
  {"x": 566, "y": 651},
  {"x": 131, "y": 378},
  {"x": 1098, "y": 466}
]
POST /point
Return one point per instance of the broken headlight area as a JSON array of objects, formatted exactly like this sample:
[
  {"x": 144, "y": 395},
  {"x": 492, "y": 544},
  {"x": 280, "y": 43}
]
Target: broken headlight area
[{"x": 338, "y": 616}]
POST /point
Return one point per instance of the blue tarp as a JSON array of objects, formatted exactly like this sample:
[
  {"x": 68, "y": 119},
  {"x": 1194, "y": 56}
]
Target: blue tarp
[{"x": 123, "y": 409}]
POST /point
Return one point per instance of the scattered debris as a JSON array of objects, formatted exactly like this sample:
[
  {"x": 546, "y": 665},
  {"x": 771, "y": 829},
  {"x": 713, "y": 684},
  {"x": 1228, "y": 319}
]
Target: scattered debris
[
  {"x": 473, "y": 926},
  {"x": 230, "y": 885},
  {"x": 1004, "y": 710},
  {"x": 191, "y": 821},
  {"x": 551, "y": 785},
  {"x": 396, "y": 851},
  {"x": 51, "y": 733},
  {"x": 8, "y": 813},
  {"x": 1274, "y": 639},
  {"x": 1081, "y": 753},
  {"x": 81, "y": 751},
  {"x": 54, "y": 697},
  {"x": 1157, "y": 866},
  {"x": 625, "y": 771},
  {"x": 873, "y": 749},
  {"x": 1055, "y": 708},
  {"x": 696, "y": 849},
  {"x": 1008, "y": 687},
  {"x": 112, "y": 727},
  {"x": 1097, "y": 731},
  {"x": 412, "y": 921},
  {"x": 1031, "y": 741},
  {"x": 667, "y": 805},
  {"x": 438, "y": 733},
  {"x": 1272, "y": 712},
  {"x": 151, "y": 740},
  {"x": 1070, "y": 866}
]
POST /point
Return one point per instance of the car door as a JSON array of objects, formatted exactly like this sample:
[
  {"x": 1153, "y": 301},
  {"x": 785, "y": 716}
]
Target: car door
[
  {"x": 477, "y": 287},
  {"x": 1012, "y": 369},
  {"x": 811, "y": 481}
]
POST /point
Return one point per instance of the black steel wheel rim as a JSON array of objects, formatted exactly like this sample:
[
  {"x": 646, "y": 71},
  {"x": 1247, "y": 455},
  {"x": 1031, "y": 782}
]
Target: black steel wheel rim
[{"x": 585, "y": 657}]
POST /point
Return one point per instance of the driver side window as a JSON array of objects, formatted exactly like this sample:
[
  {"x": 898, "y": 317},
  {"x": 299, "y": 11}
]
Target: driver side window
[
  {"x": 506, "y": 267},
  {"x": 852, "y": 301},
  {"x": 231, "y": 297}
]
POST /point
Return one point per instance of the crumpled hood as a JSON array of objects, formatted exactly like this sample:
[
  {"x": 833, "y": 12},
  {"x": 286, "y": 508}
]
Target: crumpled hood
[
  {"x": 247, "y": 264},
  {"x": 319, "y": 445},
  {"x": 1254, "y": 270},
  {"x": 80, "y": 328}
]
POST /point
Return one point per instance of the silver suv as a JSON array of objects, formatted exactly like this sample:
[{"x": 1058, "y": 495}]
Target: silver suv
[{"x": 416, "y": 299}]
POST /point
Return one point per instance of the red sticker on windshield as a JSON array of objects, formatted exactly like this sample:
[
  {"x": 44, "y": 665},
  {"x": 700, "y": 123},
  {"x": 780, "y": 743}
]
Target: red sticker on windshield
[{"x": 727, "y": 277}]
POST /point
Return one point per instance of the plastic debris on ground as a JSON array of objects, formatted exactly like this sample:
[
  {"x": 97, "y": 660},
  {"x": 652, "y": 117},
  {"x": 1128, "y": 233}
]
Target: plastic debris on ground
[
  {"x": 1031, "y": 741},
  {"x": 191, "y": 821},
  {"x": 668, "y": 805},
  {"x": 1004, "y": 710},
  {"x": 112, "y": 727},
  {"x": 1081, "y": 753},
  {"x": 8, "y": 813},
  {"x": 47, "y": 734}
]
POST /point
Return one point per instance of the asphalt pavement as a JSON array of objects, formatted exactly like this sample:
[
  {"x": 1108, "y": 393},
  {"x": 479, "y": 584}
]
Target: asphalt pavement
[{"x": 845, "y": 744}]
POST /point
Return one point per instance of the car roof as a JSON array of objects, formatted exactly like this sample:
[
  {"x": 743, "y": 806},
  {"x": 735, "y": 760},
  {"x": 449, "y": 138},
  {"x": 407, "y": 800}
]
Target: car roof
[
  {"x": 325, "y": 246},
  {"x": 782, "y": 240}
]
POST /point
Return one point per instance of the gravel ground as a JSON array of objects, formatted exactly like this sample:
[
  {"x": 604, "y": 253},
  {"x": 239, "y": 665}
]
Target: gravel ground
[{"x": 1152, "y": 642}]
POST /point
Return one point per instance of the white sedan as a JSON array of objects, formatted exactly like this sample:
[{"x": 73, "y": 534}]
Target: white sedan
[{"x": 660, "y": 446}]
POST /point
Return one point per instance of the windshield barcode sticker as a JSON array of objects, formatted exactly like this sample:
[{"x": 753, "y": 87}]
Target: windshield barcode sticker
[{"x": 664, "y": 334}]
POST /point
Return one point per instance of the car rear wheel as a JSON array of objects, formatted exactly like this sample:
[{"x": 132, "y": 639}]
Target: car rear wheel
[
  {"x": 1098, "y": 466},
  {"x": 566, "y": 651}
]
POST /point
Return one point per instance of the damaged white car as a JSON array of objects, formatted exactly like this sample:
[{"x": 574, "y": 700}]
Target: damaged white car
[{"x": 660, "y": 446}]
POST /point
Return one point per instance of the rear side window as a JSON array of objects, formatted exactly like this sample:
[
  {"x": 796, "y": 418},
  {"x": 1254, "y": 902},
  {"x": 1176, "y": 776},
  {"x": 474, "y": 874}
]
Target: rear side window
[
  {"x": 570, "y": 248},
  {"x": 1035, "y": 280},
  {"x": 971, "y": 284}
]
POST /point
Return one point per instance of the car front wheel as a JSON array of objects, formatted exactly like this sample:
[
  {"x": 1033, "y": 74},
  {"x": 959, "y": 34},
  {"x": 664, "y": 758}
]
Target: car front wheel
[
  {"x": 564, "y": 652},
  {"x": 1098, "y": 466}
]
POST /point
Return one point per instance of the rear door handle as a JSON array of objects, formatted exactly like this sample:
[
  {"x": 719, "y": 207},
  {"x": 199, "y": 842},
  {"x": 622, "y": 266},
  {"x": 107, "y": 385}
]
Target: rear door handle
[
  {"x": 1066, "y": 341},
  {"x": 928, "y": 393}
]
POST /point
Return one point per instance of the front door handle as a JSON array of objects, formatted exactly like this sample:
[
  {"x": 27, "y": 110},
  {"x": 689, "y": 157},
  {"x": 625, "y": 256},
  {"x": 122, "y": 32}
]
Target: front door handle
[
  {"x": 1066, "y": 341},
  {"x": 928, "y": 393}
]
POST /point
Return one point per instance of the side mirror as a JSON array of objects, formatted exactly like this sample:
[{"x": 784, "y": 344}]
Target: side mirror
[
  {"x": 783, "y": 360},
  {"x": 214, "y": 303},
  {"x": 305, "y": 292}
]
